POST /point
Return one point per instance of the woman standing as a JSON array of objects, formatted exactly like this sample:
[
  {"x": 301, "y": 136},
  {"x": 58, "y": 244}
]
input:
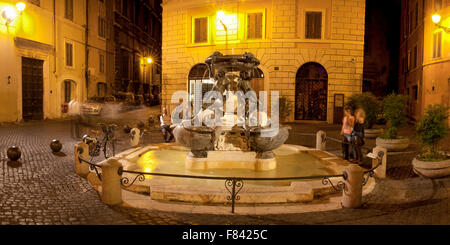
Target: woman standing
[
  {"x": 346, "y": 131},
  {"x": 358, "y": 135}
]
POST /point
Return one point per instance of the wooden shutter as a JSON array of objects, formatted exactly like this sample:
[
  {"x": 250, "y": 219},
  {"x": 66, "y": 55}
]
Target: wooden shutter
[
  {"x": 313, "y": 25},
  {"x": 69, "y": 54},
  {"x": 437, "y": 45},
  {"x": 201, "y": 30},
  {"x": 254, "y": 25},
  {"x": 68, "y": 14}
]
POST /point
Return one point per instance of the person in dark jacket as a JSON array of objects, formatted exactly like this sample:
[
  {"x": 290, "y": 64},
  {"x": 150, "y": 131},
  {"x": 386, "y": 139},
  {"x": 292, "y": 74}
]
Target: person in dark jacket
[{"x": 358, "y": 135}]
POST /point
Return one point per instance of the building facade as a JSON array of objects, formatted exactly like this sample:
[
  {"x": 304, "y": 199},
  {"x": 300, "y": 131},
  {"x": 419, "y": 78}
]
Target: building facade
[
  {"x": 425, "y": 55},
  {"x": 136, "y": 41},
  {"x": 50, "y": 56},
  {"x": 310, "y": 51}
]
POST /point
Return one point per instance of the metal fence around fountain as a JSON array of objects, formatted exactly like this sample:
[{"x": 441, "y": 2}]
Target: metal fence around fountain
[{"x": 235, "y": 184}]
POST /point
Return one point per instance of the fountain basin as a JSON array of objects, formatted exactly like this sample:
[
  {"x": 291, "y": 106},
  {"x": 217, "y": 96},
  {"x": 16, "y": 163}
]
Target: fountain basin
[{"x": 292, "y": 160}]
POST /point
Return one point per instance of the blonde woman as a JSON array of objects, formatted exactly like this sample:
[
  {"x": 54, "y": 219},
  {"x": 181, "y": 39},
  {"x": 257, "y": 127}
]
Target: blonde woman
[{"x": 346, "y": 131}]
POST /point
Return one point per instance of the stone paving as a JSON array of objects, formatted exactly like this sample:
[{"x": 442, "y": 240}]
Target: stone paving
[{"x": 44, "y": 189}]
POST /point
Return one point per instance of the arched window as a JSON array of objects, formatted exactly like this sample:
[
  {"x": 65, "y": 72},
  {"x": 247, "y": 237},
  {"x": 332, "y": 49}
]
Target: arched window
[
  {"x": 199, "y": 74},
  {"x": 311, "y": 89}
]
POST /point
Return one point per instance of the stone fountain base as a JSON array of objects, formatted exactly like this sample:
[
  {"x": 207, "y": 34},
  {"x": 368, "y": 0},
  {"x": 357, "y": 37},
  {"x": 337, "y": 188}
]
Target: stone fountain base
[{"x": 230, "y": 160}]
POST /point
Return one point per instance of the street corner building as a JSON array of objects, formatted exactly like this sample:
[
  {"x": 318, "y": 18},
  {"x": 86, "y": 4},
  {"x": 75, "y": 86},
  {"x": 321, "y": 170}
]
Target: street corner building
[
  {"x": 311, "y": 51},
  {"x": 424, "y": 74},
  {"x": 54, "y": 51}
]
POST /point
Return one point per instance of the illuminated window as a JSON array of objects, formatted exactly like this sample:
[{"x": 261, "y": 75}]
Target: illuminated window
[
  {"x": 69, "y": 54},
  {"x": 437, "y": 41},
  {"x": 201, "y": 30},
  {"x": 254, "y": 25},
  {"x": 68, "y": 9},
  {"x": 313, "y": 25}
]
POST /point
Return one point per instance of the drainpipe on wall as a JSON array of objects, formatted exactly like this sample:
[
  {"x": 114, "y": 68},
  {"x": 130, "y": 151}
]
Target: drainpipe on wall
[
  {"x": 86, "y": 71},
  {"x": 54, "y": 37}
]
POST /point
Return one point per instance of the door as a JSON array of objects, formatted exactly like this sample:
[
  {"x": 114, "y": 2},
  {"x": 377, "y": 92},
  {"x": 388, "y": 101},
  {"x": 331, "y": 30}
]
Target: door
[
  {"x": 311, "y": 89},
  {"x": 32, "y": 89}
]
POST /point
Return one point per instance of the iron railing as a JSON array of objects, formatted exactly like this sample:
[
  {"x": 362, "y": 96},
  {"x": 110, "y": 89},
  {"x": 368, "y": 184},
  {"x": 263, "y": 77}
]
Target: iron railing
[{"x": 235, "y": 184}]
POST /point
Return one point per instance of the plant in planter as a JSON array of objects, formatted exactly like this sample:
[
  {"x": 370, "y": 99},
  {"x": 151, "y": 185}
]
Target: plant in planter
[
  {"x": 395, "y": 114},
  {"x": 371, "y": 106},
  {"x": 431, "y": 129},
  {"x": 285, "y": 106}
]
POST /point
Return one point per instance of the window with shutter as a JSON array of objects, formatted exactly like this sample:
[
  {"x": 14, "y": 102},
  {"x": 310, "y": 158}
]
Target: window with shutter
[
  {"x": 201, "y": 30},
  {"x": 102, "y": 63},
  {"x": 313, "y": 25},
  {"x": 437, "y": 41},
  {"x": 101, "y": 27},
  {"x": 415, "y": 57},
  {"x": 69, "y": 54},
  {"x": 255, "y": 25},
  {"x": 68, "y": 9},
  {"x": 437, "y": 5}
]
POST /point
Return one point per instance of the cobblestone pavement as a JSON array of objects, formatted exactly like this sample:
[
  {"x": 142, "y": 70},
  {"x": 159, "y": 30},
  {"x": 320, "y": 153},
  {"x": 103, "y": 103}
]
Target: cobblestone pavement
[{"x": 43, "y": 188}]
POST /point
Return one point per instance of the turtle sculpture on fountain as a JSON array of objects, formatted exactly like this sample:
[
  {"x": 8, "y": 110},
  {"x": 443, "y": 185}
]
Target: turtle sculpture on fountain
[{"x": 233, "y": 140}]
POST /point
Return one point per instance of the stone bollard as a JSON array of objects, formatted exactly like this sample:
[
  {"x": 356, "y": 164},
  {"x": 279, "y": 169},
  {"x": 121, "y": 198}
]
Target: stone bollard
[
  {"x": 380, "y": 172},
  {"x": 352, "y": 193},
  {"x": 111, "y": 189},
  {"x": 81, "y": 168},
  {"x": 321, "y": 140},
  {"x": 135, "y": 137}
]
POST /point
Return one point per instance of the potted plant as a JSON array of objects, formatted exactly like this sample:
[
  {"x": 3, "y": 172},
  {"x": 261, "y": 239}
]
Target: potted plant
[
  {"x": 285, "y": 108},
  {"x": 395, "y": 114},
  {"x": 371, "y": 106},
  {"x": 431, "y": 129}
]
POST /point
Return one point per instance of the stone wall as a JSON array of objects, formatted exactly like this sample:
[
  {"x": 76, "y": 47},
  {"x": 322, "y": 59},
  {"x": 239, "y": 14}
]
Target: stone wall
[{"x": 283, "y": 50}]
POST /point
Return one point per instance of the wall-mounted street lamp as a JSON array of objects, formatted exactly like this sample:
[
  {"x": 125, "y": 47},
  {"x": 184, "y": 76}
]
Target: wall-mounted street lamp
[
  {"x": 9, "y": 14},
  {"x": 436, "y": 18}
]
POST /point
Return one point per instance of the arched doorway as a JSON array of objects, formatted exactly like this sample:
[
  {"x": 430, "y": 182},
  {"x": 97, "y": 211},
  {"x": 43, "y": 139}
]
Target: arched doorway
[
  {"x": 257, "y": 81},
  {"x": 69, "y": 90},
  {"x": 199, "y": 73},
  {"x": 311, "y": 89}
]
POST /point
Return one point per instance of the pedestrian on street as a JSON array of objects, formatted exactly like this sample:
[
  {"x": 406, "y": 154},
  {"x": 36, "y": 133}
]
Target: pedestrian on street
[
  {"x": 358, "y": 135},
  {"x": 346, "y": 132},
  {"x": 75, "y": 119},
  {"x": 166, "y": 122}
]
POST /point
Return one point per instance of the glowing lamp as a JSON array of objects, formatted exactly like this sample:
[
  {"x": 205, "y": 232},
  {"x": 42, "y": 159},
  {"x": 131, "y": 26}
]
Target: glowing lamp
[
  {"x": 149, "y": 60},
  {"x": 9, "y": 14},
  {"x": 20, "y": 6},
  {"x": 436, "y": 18},
  {"x": 220, "y": 15}
]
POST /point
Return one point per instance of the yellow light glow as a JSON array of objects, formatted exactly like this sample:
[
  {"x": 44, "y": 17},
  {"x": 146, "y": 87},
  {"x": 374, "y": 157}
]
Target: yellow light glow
[
  {"x": 149, "y": 60},
  {"x": 147, "y": 163},
  {"x": 9, "y": 14},
  {"x": 220, "y": 15},
  {"x": 436, "y": 18},
  {"x": 20, "y": 6}
]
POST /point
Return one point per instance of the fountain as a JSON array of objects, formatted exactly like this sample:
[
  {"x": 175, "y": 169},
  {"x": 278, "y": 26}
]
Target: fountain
[
  {"x": 233, "y": 140},
  {"x": 222, "y": 144}
]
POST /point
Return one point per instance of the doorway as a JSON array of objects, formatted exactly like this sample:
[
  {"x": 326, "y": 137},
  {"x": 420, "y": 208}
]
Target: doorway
[{"x": 32, "y": 89}]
